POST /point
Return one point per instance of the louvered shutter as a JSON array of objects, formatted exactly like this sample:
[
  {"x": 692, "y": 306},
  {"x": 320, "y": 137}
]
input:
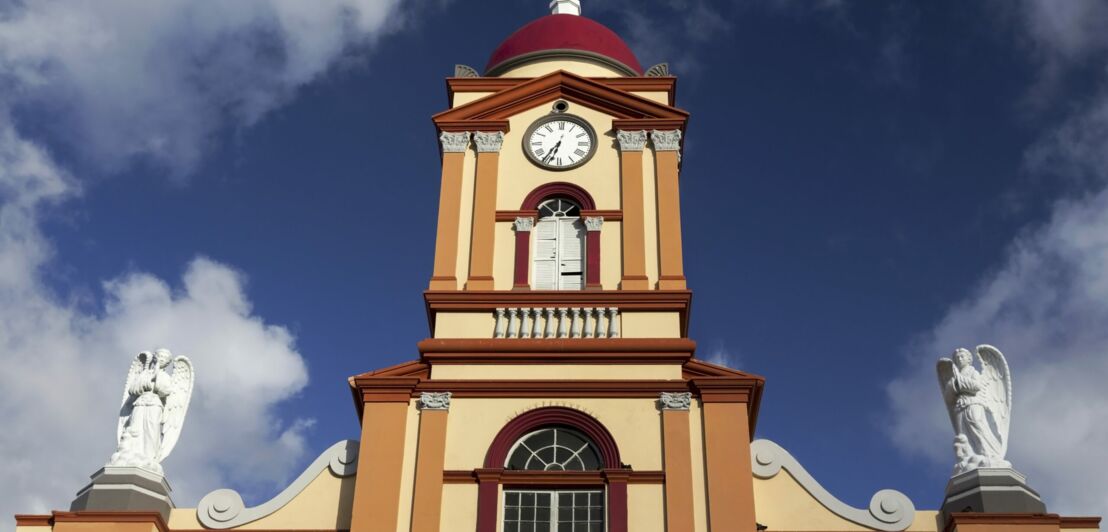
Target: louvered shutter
[
  {"x": 545, "y": 264},
  {"x": 571, "y": 253}
]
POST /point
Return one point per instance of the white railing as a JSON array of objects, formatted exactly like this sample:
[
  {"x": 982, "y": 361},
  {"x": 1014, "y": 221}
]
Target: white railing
[{"x": 557, "y": 322}]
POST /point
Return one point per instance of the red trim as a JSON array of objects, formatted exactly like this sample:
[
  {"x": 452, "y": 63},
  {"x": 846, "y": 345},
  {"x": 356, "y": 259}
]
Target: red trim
[
  {"x": 489, "y": 478},
  {"x": 523, "y": 256},
  {"x": 569, "y": 190},
  {"x": 553, "y": 415},
  {"x": 592, "y": 259}
]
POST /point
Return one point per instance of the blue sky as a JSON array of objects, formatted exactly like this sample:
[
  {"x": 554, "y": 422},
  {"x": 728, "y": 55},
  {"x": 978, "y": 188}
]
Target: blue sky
[{"x": 866, "y": 186}]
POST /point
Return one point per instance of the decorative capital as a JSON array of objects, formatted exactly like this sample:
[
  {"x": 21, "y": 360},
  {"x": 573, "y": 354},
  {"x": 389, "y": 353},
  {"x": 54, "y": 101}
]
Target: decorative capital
[
  {"x": 454, "y": 142},
  {"x": 593, "y": 223},
  {"x": 666, "y": 140},
  {"x": 631, "y": 140},
  {"x": 525, "y": 224},
  {"x": 434, "y": 401},
  {"x": 675, "y": 400},
  {"x": 488, "y": 141}
]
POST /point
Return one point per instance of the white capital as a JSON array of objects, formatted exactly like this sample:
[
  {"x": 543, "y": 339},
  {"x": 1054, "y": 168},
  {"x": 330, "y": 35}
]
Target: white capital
[
  {"x": 454, "y": 142},
  {"x": 434, "y": 400},
  {"x": 593, "y": 223},
  {"x": 488, "y": 141},
  {"x": 631, "y": 140},
  {"x": 675, "y": 400},
  {"x": 524, "y": 223},
  {"x": 666, "y": 140}
]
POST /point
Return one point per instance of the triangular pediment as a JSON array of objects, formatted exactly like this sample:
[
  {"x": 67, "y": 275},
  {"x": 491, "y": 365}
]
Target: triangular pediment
[{"x": 622, "y": 105}]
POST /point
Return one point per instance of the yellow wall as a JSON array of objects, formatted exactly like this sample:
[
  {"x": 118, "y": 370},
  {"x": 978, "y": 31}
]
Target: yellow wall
[
  {"x": 503, "y": 262},
  {"x": 462, "y": 98},
  {"x": 459, "y": 508},
  {"x": 646, "y": 504},
  {"x": 611, "y": 253},
  {"x": 651, "y": 324},
  {"x": 465, "y": 324},
  {"x": 559, "y": 371},
  {"x": 407, "y": 475},
  {"x": 581, "y": 67},
  {"x": 473, "y": 423},
  {"x": 700, "y": 481}
]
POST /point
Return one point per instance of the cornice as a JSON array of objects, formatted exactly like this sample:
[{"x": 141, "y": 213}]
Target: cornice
[
  {"x": 667, "y": 84},
  {"x": 152, "y": 518},
  {"x": 553, "y": 388}
]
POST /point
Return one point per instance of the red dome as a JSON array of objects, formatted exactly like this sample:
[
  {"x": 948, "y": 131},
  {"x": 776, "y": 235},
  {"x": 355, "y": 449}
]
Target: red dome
[{"x": 564, "y": 33}]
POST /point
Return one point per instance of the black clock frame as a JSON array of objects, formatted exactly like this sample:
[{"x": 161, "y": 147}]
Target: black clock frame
[{"x": 569, "y": 118}]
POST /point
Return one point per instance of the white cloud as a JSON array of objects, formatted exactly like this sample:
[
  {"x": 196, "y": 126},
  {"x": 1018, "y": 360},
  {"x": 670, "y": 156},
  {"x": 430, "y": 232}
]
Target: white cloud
[
  {"x": 116, "y": 81},
  {"x": 1046, "y": 304}
]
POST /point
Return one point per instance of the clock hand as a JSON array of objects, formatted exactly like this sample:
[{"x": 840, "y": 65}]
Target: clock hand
[{"x": 553, "y": 151}]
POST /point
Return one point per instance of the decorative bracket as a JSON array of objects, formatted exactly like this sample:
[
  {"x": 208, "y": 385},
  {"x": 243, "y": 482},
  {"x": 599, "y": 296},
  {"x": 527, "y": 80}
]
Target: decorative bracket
[
  {"x": 889, "y": 510},
  {"x": 223, "y": 508}
]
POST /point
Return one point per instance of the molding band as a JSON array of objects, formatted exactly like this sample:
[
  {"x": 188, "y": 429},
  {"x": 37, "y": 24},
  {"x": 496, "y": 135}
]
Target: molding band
[
  {"x": 223, "y": 508},
  {"x": 889, "y": 510}
]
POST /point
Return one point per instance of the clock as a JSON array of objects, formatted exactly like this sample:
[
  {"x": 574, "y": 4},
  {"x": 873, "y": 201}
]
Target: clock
[{"x": 559, "y": 142}]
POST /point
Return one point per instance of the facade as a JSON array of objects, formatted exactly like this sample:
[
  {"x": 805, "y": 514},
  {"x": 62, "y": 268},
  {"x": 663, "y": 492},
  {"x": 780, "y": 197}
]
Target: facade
[{"x": 559, "y": 389}]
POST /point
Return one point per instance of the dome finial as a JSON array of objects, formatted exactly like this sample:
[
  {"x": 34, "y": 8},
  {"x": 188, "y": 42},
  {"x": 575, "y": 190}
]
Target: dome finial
[{"x": 565, "y": 7}]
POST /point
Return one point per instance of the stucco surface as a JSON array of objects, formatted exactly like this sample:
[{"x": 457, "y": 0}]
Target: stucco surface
[
  {"x": 651, "y": 324},
  {"x": 459, "y": 508},
  {"x": 646, "y": 508},
  {"x": 581, "y": 67},
  {"x": 558, "y": 371},
  {"x": 635, "y": 425}
]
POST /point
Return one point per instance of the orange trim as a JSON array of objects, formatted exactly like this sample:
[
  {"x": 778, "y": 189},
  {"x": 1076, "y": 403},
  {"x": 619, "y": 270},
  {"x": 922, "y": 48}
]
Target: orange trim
[
  {"x": 550, "y": 350},
  {"x": 634, "y": 223},
  {"x": 609, "y": 215},
  {"x": 484, "y": 223},
  {"x": 1002, "y": 522},
  {"x": 552, "y": 388},
  {"x": 727, "y": 459},
  {"x": 377, "y": 486},
  {"x": 666, "y": 84},
  {"x": 510, "y": 216},
  {"x": 33, "y": 520},
  {"x": 446, "y": 238},
  {"x": 1081, "y": 522},
  {"x": 427, "y": 499},
  {"x": 671, "y": 268},
  {"x": 635, "y": 124},
  {"x": 457, "y": 126},
  {"x": 61, "y": 521},
  {"x": 556, "y": 85},
  {"x": 677, "y": 451},
  {"x": 552, "y": 477}
]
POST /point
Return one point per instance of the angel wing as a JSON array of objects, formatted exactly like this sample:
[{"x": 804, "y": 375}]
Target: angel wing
[
  {"x": 125, "y": 406},
  {"x": 998, "y": 387},
  {"x": 176, "y": 405},
  {"x": 946, "y": 371}
]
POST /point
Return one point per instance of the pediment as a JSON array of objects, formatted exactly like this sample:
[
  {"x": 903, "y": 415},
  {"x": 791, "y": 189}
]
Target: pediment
[{"x": 492, "y": 112}]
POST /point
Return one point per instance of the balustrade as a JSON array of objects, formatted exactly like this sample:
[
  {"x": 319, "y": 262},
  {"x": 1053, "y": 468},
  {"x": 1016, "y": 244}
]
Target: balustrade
[{"x": 556, "y": 322}]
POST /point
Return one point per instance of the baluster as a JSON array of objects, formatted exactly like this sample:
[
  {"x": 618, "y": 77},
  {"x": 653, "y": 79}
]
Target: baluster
[
  {"x": 513, "y": 323},
  {"x": 575, "y": 324},
  {"x": 562, "y": 332},
  {"x": 613, "y": 322},
  {"x": 590, "y": 327},
  {"x": 536, "y": 330},
  {"x": 524, "y": 323},
  {"x": 498, "y": 332},
  {"x": 549, "y": 323}
]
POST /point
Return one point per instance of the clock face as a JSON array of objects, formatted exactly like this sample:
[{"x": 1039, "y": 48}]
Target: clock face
[{"x": 560, "y": 142}]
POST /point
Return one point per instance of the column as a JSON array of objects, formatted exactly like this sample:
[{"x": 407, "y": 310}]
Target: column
[
  {"x": 381, "y": 453},
  {"x": 484, "y": 210},
  {"x": 678, "y": 460},
  {"x": 617, "y": 499},
  {"x": 592, "y": 252},
  {"x": 727, "y": 457},
  {"x": 631, "y": 145},
  {"x": 667, "y": 153},
  {"x": 523, "y": 228},
  {"x": 431, "y": 453},
  {"x": 454, "y": 146}
]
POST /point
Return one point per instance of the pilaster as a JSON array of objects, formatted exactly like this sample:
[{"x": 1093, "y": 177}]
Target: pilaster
[
  {"x": 430, "y": 457},
  {"x": 631, "y": 145},
  {"x": 523, "y": 226},
  {"x": 678, "y": 460},
  {"x": 381, "y": 453},
  {"x": 667, "y": 155},
  {"x": 592, "y": 251},
  {"x": 454, "y": 146},
  {"x": 484, "y": 210}
]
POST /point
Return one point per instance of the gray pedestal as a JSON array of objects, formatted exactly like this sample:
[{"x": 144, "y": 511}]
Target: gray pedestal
[
  {"x": 991, "y": 490},
  {"x": 125, "y": 489}
]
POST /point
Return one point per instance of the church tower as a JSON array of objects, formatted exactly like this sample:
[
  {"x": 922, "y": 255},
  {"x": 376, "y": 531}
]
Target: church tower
[{"x": 558, "y": 389}]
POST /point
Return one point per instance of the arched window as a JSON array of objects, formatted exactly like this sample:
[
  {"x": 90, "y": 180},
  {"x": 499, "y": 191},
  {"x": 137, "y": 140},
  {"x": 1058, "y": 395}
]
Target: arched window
[
  {"x": 559, "y": 257},
  {"x": 553, "y": 510}
]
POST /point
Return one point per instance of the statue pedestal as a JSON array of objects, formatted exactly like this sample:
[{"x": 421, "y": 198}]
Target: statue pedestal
[
  {"x": 125, "y": 489},
  {"x": 991, "y": 490}
]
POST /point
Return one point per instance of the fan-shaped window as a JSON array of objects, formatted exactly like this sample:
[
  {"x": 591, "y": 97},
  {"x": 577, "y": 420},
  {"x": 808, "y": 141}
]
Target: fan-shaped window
[
  {"x": 554, "y": 449},
  {"x": 559, "y": 208}
]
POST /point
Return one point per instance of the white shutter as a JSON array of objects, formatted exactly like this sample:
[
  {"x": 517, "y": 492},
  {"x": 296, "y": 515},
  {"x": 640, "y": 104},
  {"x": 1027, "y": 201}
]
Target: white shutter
[
  {"x": 545, "y": 270},
  {"x": 571, "y": 253}
]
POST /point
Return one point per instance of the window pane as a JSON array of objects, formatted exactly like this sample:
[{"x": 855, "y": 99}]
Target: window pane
[
  {"x": 527, "y": 514},
  {"x": 528, "y": 499},
  {"x": 511, "y": 498},
  {"x": 511, "y": 527}
]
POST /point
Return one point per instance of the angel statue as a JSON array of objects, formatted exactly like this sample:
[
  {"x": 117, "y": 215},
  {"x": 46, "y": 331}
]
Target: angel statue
[
  {"x": 980, "y": 406},
  {"x": 153, "y": 409}
]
